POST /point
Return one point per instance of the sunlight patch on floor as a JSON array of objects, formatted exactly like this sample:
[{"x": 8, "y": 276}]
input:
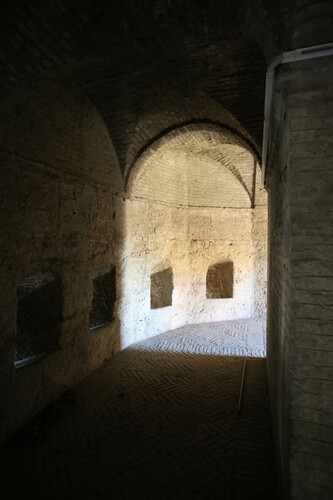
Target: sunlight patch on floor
[{"x": 241, "y": 337}]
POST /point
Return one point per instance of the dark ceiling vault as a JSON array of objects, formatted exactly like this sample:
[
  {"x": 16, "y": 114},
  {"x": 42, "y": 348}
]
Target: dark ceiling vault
[{"x": 126, "y": 55}]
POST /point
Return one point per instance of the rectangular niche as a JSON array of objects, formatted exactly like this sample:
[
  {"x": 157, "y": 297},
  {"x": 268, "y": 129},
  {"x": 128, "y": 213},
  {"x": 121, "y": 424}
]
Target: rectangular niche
[
  {"x": 161, "y": 288},
  {"x": 219, "y": 281},
  {"x": 104, "y": 298},
  {"x": 39, "y": 316}
]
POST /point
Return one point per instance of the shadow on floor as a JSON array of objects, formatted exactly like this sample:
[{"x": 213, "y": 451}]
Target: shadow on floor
[{"x": 150, "y": 425}]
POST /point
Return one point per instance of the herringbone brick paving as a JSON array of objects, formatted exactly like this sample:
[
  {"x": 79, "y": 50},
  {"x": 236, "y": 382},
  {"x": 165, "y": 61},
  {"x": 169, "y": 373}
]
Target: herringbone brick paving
[{"x": 151, "y": 424}]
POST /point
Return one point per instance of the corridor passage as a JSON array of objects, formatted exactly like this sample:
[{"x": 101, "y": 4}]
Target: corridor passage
[{"x": 157, "y": 421}]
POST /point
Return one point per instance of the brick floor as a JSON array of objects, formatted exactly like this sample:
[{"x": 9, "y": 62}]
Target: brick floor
[{"x": 157, "y": 421}]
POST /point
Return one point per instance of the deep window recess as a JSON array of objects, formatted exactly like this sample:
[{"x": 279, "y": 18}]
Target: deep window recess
[
  {"x": 161, "y": 288},
  {"x": 219, "y": 281},
  {"x": 104, "y": 297},
  {"x": 39, "y": 315}
]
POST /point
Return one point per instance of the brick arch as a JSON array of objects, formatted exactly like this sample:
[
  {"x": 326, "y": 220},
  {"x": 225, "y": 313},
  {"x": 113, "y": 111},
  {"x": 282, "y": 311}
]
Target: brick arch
[
  {"x": 202, "y": 140},
  {"x": 169, "y": 110}
]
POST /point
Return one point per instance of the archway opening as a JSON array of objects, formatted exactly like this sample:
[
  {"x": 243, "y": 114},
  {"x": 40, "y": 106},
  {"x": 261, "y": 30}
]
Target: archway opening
[{"x": 195, "y": 202}]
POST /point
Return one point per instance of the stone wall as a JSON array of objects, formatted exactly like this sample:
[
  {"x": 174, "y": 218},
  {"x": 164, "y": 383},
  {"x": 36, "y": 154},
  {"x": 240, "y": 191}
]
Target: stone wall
[
  {"x": 300, "y": 277},
  {"x": 189, "y": 240},
  {"x": 60, "y": 192},
  {"x": 279, "y": 289}
]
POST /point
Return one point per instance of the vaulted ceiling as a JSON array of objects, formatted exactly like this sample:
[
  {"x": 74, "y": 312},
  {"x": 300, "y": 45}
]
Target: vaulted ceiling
[{"x": 147, "y": 58}]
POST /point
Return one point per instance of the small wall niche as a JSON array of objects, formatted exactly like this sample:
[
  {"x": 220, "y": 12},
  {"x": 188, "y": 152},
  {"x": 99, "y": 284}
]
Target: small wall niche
[
  {"x": 161, "y": 288},
  {"x": 219, "y": 281},
  {"x": 39, "y": 316},
  {"x": 104, "y": 298}
]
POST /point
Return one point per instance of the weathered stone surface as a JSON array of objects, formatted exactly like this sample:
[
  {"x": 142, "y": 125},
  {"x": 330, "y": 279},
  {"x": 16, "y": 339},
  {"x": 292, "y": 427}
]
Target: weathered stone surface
[
  {"x": 300, "y": 280},
  {"x": 58, "y": 189}
]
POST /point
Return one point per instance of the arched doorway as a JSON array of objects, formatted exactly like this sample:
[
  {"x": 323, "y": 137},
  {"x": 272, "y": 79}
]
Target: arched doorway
[{"x": 194, "y": 207}]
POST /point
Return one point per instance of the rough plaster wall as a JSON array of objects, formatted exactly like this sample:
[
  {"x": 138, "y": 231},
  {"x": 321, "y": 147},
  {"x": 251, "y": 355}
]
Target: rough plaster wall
[
  {"x": 300, "y": 280},
  {"x": 188, "y": 240},
  {"x": 58, "y": 174}
]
